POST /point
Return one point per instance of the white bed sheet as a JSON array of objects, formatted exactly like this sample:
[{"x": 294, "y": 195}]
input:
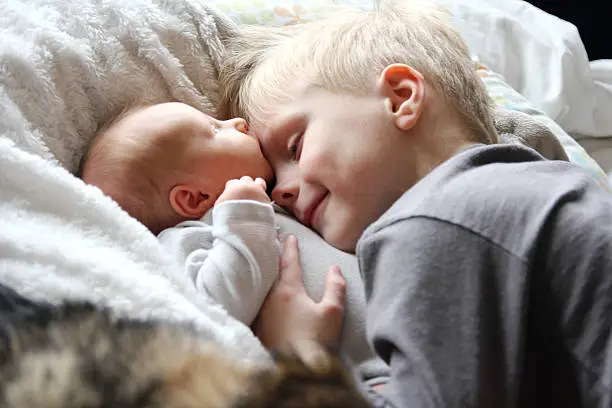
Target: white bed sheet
[{"x": 543, "y": 58}]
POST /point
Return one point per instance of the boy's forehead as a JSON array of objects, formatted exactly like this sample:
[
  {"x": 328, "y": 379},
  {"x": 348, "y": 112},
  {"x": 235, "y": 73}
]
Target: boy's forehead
[
  {"x": 269, "y": 118},
  {"x": 261, "y": 119},
  {"x": 263, "y": 100},
  {"x": 274, "y": 105},
  {"x": 263, "y": 128},
  {"x": 276, "y": 115}
]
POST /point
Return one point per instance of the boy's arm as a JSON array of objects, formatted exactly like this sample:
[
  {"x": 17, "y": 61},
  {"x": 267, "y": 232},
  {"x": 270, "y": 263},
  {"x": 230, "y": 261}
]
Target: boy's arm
[
  {"x": 242, "y": 264},
  {"x": 442, "y": 315}
]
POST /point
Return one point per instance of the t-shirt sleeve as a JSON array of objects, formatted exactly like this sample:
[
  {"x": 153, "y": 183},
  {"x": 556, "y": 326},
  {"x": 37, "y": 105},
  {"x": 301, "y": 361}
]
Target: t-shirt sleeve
[
  {"x": 575, "y": 278},
  {"x": 441, "y": 314}
]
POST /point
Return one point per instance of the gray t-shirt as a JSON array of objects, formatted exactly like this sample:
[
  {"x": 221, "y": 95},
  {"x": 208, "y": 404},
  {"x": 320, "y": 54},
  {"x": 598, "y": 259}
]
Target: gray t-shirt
[{"x": 489, "y": 284}]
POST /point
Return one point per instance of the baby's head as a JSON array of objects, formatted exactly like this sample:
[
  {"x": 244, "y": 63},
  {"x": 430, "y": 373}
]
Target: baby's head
[
  {"x": 169, "y": 162},
  {"x": 366, "y": 103}
]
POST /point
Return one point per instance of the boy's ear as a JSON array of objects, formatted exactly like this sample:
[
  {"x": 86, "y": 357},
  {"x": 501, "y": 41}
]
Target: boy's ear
[
  {"x": 190, "y": 201},
  {"x": 403, "y": 89}
]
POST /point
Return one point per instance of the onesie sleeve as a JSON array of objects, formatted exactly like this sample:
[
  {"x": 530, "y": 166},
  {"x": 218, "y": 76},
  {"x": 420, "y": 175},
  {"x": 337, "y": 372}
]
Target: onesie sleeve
[{"x": 242, "y": 264}]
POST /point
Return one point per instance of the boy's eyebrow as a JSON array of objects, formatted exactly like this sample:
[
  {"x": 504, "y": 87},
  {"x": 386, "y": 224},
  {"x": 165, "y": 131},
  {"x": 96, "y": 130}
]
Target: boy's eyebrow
[
  {"x": 265, "y": 137},
  {"x": 275, "y": 126},
  {"x": 281, "y": 123},
  {"x": 287, "y": 124}
]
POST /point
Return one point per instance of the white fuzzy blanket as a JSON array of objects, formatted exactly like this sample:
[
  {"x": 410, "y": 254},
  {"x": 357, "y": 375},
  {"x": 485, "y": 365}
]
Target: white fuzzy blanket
[{"x": 65, "y": 67}]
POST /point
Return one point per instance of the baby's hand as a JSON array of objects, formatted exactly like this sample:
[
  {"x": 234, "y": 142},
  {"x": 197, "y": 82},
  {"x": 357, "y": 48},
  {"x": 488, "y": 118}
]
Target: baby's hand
[{"x": 244, "y": 189}]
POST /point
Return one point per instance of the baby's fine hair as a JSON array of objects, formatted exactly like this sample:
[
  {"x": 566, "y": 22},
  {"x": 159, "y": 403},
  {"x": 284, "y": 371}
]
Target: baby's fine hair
[
  {"x": 130, "y": 168},
  {"x": 346, "y": 51}
]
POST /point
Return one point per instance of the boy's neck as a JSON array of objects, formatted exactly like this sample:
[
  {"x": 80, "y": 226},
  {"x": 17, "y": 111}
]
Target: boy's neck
[{"x": 438, "y": 144}]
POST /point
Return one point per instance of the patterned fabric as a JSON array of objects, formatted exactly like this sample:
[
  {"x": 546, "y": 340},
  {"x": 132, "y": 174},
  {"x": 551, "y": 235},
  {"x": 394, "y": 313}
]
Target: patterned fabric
[
  {"x": 505, "y": 96},
  {"x": 270, "y": 12}
]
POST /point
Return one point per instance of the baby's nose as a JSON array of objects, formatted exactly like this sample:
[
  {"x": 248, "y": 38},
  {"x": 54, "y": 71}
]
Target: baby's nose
[{"x": 237, "y": 123}]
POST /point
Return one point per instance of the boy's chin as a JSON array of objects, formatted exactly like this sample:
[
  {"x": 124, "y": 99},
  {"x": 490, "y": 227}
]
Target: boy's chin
[{"x": 342, "y": 240}]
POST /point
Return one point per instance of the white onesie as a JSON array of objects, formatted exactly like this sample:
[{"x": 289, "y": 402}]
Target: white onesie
[{"x": 231, "y": 254}]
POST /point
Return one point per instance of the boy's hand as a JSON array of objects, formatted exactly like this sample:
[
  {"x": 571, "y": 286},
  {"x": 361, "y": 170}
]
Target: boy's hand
[
  {"x": 289, "y": 316},
  {"x": 245, "y": 189}
]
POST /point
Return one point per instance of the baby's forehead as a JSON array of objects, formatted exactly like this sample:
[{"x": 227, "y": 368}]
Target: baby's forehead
[
  {"x": 144, "y": 131},
  {"x": 168, "y": 120},
  {"x": 169, "y": 111}
]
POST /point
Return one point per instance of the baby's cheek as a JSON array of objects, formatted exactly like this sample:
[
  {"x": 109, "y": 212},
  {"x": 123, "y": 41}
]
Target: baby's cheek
[{"x": 354, "y": 166}]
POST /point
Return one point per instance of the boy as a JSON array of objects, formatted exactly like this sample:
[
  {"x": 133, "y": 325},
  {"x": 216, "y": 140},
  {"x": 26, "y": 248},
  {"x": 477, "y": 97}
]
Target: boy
[
  {"x": 485, "y": 266},
  {"x": 168, "y": 165}
]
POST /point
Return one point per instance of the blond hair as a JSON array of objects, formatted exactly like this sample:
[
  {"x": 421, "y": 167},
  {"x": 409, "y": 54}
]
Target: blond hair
[
  {"x": 133, "y": 170},
  {"x": 346, "y": 52}
]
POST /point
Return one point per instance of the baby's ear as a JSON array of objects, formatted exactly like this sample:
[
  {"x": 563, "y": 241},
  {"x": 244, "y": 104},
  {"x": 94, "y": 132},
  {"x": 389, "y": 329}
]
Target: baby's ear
[
  {"x": 403, "y": 90},
  {"x": 190, "y": 201}
]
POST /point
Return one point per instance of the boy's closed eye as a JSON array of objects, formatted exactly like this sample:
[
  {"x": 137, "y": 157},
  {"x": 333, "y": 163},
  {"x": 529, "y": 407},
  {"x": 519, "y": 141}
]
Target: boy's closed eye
[
  {"x": 283, "y": 139},
  {"x": 295, "y": 146}
]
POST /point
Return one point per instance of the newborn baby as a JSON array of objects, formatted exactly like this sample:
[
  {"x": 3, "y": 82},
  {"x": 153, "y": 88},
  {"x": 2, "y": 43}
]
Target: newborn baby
[{"x": 200, "y": 184}]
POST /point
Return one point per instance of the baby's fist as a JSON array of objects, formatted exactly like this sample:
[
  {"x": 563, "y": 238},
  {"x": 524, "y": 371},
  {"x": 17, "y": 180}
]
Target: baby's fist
[{"x": 245, "y": 189}]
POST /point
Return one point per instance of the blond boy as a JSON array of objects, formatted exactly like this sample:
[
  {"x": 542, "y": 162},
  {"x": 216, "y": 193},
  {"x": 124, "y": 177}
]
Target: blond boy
[{"x": 485, "y": 266}]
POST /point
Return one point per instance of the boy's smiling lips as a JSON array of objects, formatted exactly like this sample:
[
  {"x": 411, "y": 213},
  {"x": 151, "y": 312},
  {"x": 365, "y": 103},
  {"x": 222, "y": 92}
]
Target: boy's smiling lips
[{"x": 311, "y": 213}]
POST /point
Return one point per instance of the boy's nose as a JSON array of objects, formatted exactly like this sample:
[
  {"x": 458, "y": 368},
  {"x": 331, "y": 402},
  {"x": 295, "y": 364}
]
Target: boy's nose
[{"x": 237, "y": 123}]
